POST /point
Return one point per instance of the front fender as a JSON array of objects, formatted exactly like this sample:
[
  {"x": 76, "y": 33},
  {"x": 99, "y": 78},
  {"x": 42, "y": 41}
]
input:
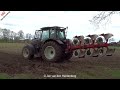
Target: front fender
[{"x": 32, "y": 47}]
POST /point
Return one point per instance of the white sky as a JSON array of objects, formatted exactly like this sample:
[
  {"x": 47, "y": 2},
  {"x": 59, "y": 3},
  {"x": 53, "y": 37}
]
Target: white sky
[{"x": 77, "y": 22}]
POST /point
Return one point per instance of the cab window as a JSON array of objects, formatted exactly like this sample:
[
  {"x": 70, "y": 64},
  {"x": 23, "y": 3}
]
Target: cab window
[{"x": 45, "y": 35}]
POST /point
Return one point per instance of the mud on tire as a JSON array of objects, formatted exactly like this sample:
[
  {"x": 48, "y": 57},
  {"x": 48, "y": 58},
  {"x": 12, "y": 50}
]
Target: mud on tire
[{"x": 52, "y": 52}]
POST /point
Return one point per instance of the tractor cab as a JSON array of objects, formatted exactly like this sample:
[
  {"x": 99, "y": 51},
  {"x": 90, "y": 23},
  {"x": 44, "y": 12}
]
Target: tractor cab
[{"x": 45, "y": 33}]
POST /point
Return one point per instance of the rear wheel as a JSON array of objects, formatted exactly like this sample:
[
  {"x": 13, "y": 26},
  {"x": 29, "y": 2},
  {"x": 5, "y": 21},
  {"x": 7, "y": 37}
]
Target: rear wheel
[
  {"x": 52, "y": 52},
  {"x": 27, "y": 52}
]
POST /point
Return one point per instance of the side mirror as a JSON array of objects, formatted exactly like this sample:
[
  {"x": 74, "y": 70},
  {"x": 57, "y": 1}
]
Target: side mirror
[{"x": 66, "y": 33}]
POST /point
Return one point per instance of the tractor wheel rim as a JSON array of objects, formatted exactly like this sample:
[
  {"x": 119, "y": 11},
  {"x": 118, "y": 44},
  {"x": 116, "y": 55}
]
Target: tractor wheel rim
[
  {"x": 49, "y": 52},
  {"x": 25, "y": 52}
]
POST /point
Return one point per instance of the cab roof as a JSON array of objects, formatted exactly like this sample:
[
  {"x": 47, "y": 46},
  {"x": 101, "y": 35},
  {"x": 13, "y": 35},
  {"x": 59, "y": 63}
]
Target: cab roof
[{"x": 53, "y": 27}]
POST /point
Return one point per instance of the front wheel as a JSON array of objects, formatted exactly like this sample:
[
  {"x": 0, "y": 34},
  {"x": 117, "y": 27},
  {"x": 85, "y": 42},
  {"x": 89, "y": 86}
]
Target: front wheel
[{"x": 27, "y": 52}]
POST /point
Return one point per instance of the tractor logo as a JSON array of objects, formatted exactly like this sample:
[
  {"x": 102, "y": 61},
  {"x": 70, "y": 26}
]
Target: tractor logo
[{"x": 3, "y": 14}]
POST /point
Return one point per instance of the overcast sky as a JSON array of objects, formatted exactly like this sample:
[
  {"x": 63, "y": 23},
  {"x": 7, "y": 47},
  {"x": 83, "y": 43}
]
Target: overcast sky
[{"x": 77, "y": 22}]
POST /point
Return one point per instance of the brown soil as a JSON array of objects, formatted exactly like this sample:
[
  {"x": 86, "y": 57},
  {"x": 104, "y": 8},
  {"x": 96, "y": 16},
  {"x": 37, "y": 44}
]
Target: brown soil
[{"x": 15, "y": 64}]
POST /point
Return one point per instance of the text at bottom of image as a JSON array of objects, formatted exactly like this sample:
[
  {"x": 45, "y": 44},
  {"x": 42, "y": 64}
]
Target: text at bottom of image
[{"x": 59, "y": 76}]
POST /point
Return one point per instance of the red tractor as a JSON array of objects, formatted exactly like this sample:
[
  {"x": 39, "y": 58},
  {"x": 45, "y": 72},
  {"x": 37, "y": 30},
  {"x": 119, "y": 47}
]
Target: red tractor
[{"x": 51, "y": 44}]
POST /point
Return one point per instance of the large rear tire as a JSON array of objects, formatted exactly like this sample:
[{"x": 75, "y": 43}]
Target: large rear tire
[
  {"x": 27, "y": 52},
  {"x": 52, "y": 52}
]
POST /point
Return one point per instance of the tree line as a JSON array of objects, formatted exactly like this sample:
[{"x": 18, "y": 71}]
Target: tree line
[{"x": 6, "y": 35}]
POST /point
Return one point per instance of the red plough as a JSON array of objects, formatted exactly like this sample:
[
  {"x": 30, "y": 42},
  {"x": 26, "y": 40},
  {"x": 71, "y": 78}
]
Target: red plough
[{"x": 92, "y": 45}]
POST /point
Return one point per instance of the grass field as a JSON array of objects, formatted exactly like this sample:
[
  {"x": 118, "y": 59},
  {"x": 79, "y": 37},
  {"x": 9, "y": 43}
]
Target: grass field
[
  {"x": 14, "y": 48},
  {"x": 13, "y": 66}
]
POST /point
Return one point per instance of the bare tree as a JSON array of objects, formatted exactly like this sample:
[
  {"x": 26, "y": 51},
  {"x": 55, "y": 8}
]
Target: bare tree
[{"x": 102, "y": 16}]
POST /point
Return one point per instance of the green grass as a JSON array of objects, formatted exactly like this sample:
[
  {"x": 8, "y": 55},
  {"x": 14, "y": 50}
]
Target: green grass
[
  {"x": 98, "y": 72},
  {"x": 18, "y": 76},
  {"x": 23, "y": 76},
  {"x": 11, "y": 47},
  {"x": 107, "y": 73},
  {"x": 116, "y": 47},
  {"x": 4, "y": 76},
  {"x": 115, "y": 73}
]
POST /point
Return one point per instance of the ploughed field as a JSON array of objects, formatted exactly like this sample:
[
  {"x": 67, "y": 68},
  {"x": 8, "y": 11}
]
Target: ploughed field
[{"x": 13, "y": 66}]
